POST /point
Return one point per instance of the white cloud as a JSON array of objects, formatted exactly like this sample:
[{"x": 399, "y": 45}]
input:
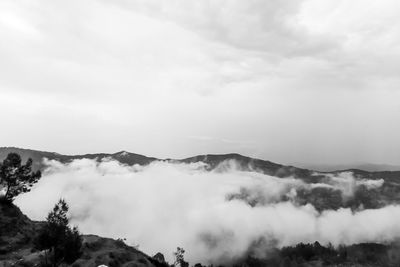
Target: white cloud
[{"x": 163, "y": 205}]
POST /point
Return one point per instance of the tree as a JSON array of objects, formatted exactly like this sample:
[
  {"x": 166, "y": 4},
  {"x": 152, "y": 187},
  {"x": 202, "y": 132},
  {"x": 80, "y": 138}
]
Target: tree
[
  {"x": 16, "y": 178},
  {"x": 179, "y": 259},
  {"x": 60, "y": 242}
]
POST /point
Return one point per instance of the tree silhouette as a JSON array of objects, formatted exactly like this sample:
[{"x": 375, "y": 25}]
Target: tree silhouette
[
  {"x": 179, "y": 259},
  {"x": 60, "y": 242},
  {"x": 16, "y": 178}
]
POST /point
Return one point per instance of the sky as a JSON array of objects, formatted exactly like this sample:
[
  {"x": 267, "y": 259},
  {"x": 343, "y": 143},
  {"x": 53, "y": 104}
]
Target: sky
[{"x": 304, "y": 81}]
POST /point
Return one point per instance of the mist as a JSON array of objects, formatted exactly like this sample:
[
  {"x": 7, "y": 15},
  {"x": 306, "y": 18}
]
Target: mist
[{"x": 164, "y": 205}]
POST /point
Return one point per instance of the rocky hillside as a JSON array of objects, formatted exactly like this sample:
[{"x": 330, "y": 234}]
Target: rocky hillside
[{"x": 17, "y": 233}]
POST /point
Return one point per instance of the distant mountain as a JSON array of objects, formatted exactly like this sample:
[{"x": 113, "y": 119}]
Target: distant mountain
[
  {"x": 370, "y": 167},
  {"x": 212, "y": 160},
  {"x": 129, "y": 158},
  {"x": 251, "y": 164},
  {"x": 321, "y": 198},
  {"x": 38, "y": 156}
]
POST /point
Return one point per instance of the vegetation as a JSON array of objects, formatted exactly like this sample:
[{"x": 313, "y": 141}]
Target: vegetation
[
  {"x": 179, "y": 258},
  {"x": 60, "y": 242},
  {"x": 364, "y": 254},
  {"x": 16, "y": 178}
]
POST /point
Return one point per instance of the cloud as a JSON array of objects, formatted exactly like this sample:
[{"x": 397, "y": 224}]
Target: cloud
[
  {"x": 253, "y": 25},
  {"x": 347, "y": 183},
  {"x": 165, "y": 205}
]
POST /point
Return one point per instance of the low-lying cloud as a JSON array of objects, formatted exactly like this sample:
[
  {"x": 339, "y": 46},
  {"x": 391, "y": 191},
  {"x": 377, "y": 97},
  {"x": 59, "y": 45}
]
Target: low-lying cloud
[
  {"x": 347, "y": 183},
  {"x": 165, "y": 205}
]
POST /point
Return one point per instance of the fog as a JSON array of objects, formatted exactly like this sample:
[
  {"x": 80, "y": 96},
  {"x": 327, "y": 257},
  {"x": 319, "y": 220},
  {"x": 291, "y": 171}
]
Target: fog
[{"x": 164, "y": 205}]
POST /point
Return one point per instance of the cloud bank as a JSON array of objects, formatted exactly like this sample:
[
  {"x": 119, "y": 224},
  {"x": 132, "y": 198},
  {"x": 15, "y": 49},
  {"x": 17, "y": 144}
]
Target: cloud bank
[{"x": 165, "y": 205}]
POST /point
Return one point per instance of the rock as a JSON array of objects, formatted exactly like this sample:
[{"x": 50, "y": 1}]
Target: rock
[{"x": 159, "y": 257}]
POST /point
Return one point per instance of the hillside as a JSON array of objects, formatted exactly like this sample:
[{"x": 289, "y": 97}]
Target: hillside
[{"x": 17, "y": 233}]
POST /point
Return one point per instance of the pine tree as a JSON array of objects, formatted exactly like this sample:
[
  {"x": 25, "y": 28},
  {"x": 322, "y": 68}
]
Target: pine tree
[
  {"x": 179, "y": 258},
  {"x": 16, "y": 178},
  {"x": 60, "y": 242}
]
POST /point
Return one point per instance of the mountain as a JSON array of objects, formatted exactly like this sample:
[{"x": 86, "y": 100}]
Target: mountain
[
  {"x": 38, "y": 156},
  {"x": 370, "y": 167},
  {"x": 251, "y": 164},
  {"x": 321, "y": 198},
  {"x": 213, "y": 160}
]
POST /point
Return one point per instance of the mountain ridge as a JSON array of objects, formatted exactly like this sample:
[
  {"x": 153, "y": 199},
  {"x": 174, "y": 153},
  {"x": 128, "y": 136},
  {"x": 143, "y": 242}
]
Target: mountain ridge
[{"x": 212, "y": 161}]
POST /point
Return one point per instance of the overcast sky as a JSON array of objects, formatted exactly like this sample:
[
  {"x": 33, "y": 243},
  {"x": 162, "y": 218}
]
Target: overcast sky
[{"x": 290, "y": 81}]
